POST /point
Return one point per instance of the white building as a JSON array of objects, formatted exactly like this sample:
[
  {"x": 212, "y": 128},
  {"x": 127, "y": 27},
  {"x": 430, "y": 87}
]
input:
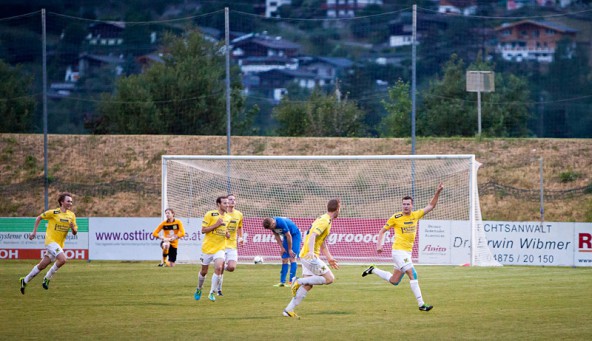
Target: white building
[
  {"x": 272, "y": 6},
  {"x": 347, "y": 8}
]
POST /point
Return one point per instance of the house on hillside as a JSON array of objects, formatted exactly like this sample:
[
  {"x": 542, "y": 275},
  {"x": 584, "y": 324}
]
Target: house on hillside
[
  {"x": 531, "y": 40},
  {"x": 105, "y": 33},
  {"x": 273, "y": 84},
  {"x": 263, "y": 45},
  {"x": 401, "y": 29},
  {"x": 462, "y": 7},
  {"x": 327, "y": 69},
  {"x": 87, "y": 62},
  {"x": 515, "y": 4},
  {"x": 272, "y": 7},
  {"x": 346, "y": 8}
]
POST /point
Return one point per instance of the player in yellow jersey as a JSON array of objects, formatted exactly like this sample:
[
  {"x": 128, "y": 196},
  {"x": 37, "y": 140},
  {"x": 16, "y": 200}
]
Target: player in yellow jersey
[
  {"x": 235, "y": 229},
  {"x": 172, "y": 229},
  {"x": 314, "y": 270},
  {"x": 214, "y": 226},
  {"x": 404, "y": 224},
  {"x": 60, "y": 221}
]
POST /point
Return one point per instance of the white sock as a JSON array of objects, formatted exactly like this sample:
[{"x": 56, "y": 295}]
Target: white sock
[
  {"x": 215, "y": 281},
  {"x": 312, "y": 280},
  {"x": 382, "y": 274},
  {"x": 220, "y": 282},
  {"x": 32, "y": 274},
  {"x": 200, "y": 281},
  {"x": 52, "y": 271},
  {"x": 300, "y": 295},
  {"x": 416, "y": 291}
]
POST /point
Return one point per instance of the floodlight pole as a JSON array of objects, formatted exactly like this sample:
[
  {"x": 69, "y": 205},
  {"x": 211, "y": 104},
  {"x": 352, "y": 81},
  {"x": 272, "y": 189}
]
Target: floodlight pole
[
  {"x": 228, "y": 116},
  {"x": 45, "y": 120},
  {"x": 227, "y": 50},
  {"x": 413, "y": 76},
  {"x": 480, "y": 81},
  {"x": 413, "y": 90}
]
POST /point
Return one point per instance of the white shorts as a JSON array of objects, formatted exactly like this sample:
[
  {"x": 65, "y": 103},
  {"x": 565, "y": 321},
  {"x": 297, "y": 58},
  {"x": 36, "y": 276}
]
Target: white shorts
[
  {"x": 231, "y": 254},
  {"x": 402, "y": 260},
  {"x": 207, "y": 258},
  {"x": 52, "y": 250},
  {"x": 314, "y": 267}
]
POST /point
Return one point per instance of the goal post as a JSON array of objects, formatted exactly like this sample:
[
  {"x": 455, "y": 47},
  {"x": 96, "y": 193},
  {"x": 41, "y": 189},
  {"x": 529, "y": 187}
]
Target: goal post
[{"x": 370, "y": 188}]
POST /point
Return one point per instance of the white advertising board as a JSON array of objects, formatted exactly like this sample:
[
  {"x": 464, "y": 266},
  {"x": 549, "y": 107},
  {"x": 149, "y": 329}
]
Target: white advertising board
[
  {"x": 512, "y": 243},
  {"x": 132, "y": 239}
]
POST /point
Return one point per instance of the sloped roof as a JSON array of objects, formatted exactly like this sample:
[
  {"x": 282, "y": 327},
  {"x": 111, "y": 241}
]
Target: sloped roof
[
  {"x": 337, "y": 61},
  {"x": 103, "y": 58},
  {"x": 548, "y": 24}
]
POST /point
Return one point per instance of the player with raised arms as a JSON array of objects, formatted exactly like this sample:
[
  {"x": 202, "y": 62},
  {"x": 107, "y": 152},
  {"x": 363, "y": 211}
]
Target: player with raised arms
[{"x": 404, "y": 224}]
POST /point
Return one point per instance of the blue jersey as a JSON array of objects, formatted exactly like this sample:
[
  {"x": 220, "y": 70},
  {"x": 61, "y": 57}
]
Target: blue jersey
[
  {"x": 285, "y": 225},
  {"x": 282, "y": 227}
]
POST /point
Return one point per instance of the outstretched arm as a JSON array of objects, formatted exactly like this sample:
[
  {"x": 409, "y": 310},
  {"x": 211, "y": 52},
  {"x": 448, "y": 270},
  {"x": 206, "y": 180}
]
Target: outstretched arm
[
  {"x": 37, "y": 221},
  {"x": 380, "y": 240},
  {"x": 434, "y": 200}
]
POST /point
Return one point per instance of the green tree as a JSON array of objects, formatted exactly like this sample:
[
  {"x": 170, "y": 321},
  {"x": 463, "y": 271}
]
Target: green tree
[
  {"x": 397, "y": 123},
  {"x": 321, "y": 115},
  {"x": 17, "y": 104},
  {"x": 445, "y": 112},
  {"x": 183, "y": 95},
  {"x": 449, "y": 110},
  {"x": 568, "y": 85}
]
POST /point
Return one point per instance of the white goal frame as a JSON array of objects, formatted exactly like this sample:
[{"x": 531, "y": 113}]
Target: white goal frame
[{"x": 477, "y": 235}]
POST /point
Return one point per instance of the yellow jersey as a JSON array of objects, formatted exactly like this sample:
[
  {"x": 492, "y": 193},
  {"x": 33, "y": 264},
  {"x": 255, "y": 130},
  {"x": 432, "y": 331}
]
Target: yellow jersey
[
  {"x": 235, "y": 222},
  {"x": 405, "y": 229},
  {"x": 322, "y": 227},
  {"x": 58, "y": 225},
  {"x": 214, "y": 240},
  {"x": 170, "y": 229}
]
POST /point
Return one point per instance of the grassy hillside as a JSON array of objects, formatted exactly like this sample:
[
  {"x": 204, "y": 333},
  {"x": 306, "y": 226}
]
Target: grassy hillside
[{"x": 120, "y": 175}]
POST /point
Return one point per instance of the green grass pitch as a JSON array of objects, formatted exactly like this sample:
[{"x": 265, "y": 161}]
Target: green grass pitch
[{"x": 138, "y": 300}]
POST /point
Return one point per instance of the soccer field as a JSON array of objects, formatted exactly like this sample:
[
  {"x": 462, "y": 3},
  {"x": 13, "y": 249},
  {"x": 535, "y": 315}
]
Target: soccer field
[{"x": 137, "y": 300}]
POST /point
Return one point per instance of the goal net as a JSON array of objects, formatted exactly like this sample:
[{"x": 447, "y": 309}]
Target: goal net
[{"x": 371, "y": 189}]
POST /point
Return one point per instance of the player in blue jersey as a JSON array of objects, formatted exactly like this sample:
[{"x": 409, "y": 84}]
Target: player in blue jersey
[{"x": 288, "y": 237}]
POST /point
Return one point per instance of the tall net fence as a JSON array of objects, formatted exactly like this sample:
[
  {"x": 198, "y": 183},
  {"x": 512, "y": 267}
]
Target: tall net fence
[
  {"x": 118, "y": 76},
  {"x": 309, "y": 70}
]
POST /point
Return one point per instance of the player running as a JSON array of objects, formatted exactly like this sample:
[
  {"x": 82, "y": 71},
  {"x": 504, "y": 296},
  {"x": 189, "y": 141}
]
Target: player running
[
  {"x": 314, "y": 270},
  {"x": 404, "y": 225}
]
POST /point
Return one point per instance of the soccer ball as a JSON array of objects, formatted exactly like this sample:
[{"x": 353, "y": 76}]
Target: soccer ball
[{"x": 258, "y": 260}]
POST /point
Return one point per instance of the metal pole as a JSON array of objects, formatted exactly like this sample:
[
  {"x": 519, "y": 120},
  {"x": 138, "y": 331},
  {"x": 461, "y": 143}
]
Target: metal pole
[
  {"x": 413, "y": 77},
  {"x": 45, "y": 154},
  {"x": 479, "y": 112},
  {"x": 227, "y": 40},
  {"x": 542, "y": 190},
  {"x": 413, "y": 90},
  {"x": 228, "y": 117}
]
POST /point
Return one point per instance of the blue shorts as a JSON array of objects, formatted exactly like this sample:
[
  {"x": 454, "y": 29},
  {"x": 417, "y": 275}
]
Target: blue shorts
[{"x": 296, "y": 241}]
